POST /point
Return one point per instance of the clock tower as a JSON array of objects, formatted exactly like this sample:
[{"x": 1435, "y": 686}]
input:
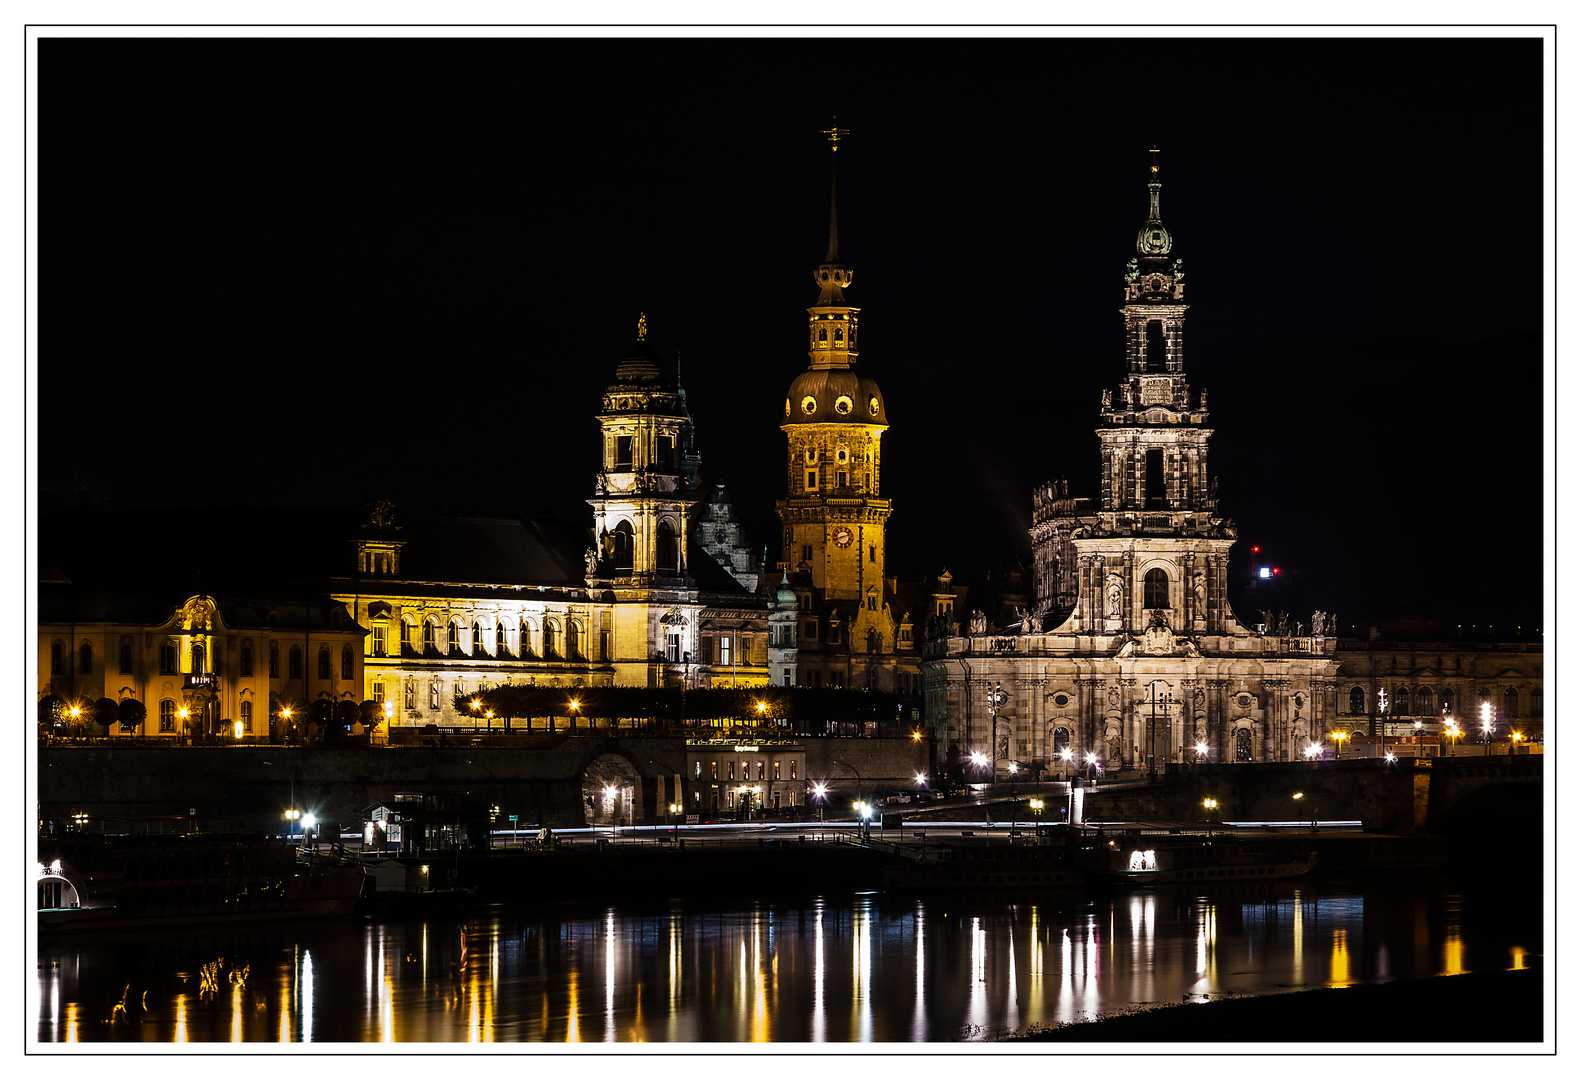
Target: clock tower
[{"x": 834, "y": 513}]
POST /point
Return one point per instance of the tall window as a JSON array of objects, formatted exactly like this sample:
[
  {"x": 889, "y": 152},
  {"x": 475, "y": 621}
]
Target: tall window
[
  {"x": 433, "y": 694},
  {"x": 323, "y": 661},
  {"x": 455, "y": 636},
  {"x": 526, "y": 639},
  {"x": 199, "y": 659},
  {"x": 428, "y": 637},
  {"x": 167, "y": 715},
  {"x": 274, "y": 660},
  {"x": 664, "y": 453},
  {"x": 126, "y": 656},
  {"x": 669, "y": 550},
  {"x": 247, "y": 717},
  {"x": 1402, "y": 700},
  {"x": 477, "y": 637},
  {"x": 294, "y": 667},
  {"x": 85, "y": 663},
  {"x": 1510, "y": 699},
  {"x": 409, "y": 698},
  {"x": 1424, "y": 702},
  {"x": 378, "y": 640},
  {"x": 378, "y": 692},
  {"x": 724, "y": 651},
  {"x": 1155, "y": 589},
  {"x": 56, "y": 652},
  {"x": 1358, "y": 701},
  {"x": 346, "y": 665},
  {"x": 246, "y": 660},
  {"x": 1537, "y": 701},
  {"x": 573, "y": 640},
  {"x": 551, "y": 634},
  {"x": 499, "y": 640},
  {"x": 622, "y": 546},
  {"x": 167, "y": 659},
  {"x": 623, "y": 451}
]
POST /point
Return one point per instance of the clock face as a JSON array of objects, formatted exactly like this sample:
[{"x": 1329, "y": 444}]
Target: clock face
[{"x": 842, "y": 536}]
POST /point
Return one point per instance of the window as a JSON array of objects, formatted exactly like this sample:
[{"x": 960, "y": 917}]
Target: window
[
  {"x": 294, "y": 664},
  {"x": 551, "y": 634},
  {"x": 872, "y": 553},
  {"x": 672, "y": 648},
  {"x": 378, "y": 692},
  {"x": 697, "y": 770},
  {"x": 246, "y": 660},
  {"x": 776, "y": 770},
  {"x": 247, "y": 717},
  {"x": 809, "y": 629},
  {"x": 428, "y": 637},
  {"x": 433, "y": 694},
  {"x": 85, "y": 654},
  {"x": 167, "y": 659},
  {"x": 731, "y": 766},
  {"x": 274, "y": 660},
  {"x": 1243, "y": 744},
  {"x": 323, "y": 662},
  {"x": 500, "y": 648},
  {"x": 1537, "y": 701},
  {"x": 198, "y": 659},
  {"x": 623, "y": 451},
  {"x": 167, "y": 715},
  {"x": 760, "y": 770},
  {"x": 454, "y": 640},
  {"x": 126, "y": 657},
  {"x": 477, "y": 638},
  {"x": 724, "y": 652},
  {"x": 1358, "y": 701},
  {"x": 1510, "y": 699},
  {"x": 410, "y": 696},
  {"x": 715, "y": 769},
  {"x": 622, "y": 546},
  {"x": 603, "y": 644},
  {"x": 1155, "y": 588},
  {"x": 812, "y": 479},
  {"x": 378, "y": 641},
  {"x": 1424, "y": 702},
  {"x": 346, "y": 665},
  {"x": 56, "y": 652},
  {"x": 872, "y": 603},
  {"x": 840, "y": 479},
  {"x": 668, "y": 550},
  {"x": 526, "y": 639},
  {"x": 664, "y": 453},
  {"x": 793, "y": 768},
  {"x": 1402, "y": 700},
  {"x": 573, "y": 640}
]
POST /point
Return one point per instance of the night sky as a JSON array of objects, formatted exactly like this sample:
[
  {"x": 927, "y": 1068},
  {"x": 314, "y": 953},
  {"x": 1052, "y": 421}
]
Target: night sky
[{"x": 308, "y": 273}]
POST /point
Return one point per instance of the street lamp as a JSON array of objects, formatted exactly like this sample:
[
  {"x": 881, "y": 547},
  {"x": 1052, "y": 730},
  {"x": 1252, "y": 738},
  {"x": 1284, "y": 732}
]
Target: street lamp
[
  {"x": 1339, "y": 743},
  {"x": 1202, "y": 752},
  {"x": 1209, "y": 806},
  {"x": 1452, "y": 729},
  {"x": 1014, "y": 768},
  {"x": 1313, "y": 751},
  {"x": 1036, "y": 806},
  {"x": 996, "y": 698},
  {"x": 1067, "y": 755},
  {"x": 1515, "y": 737},
  {"x": 1487, "y": 726},
  {"x": 819, "y": 793}
]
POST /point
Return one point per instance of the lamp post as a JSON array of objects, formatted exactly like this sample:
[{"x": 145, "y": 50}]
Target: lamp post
[
  {"x": 1036, "y": 806},
  {"x": 996, "y": 698},
  {"x": 1066, "y": 756},
  {"x": 1339, "y": 737},
  {"x": 1297, "y": 796},
  {"x": 1202, "y": 752},
  {"x": 1208, "y": 806},
  {"x": 1451, "y": 729},
  {"x": 820, "y": 792},
  {"x": 1515, "y": 737},
  {"x": 1014, "y": 768},
  {"x": 1487, "y": 726},
  {"x": 675, "y": 820},
  {"x": 853, "y": 768}
]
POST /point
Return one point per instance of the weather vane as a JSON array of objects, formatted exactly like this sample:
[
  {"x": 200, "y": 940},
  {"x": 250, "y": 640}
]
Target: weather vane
[
  {"x": 835, "y": 134},
  {"x": 642, "y": 326}
]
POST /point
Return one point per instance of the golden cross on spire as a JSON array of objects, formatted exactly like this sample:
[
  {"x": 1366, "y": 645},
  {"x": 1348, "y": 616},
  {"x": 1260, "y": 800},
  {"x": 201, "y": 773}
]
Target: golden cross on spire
[
  {"x": 1154, "y": 168},
  {"x": 642, "y": 327},
  {"x": 835, "y": 134}
]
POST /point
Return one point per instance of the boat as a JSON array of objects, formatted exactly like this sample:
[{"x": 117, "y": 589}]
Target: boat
[{"x": 145, "y": 882}]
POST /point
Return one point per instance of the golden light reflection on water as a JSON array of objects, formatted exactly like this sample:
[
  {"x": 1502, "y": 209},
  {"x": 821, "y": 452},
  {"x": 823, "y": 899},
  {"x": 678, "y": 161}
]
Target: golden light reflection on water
[
  {"x": 1339, "y": 961},
  {"x": 756, "y": 974}
]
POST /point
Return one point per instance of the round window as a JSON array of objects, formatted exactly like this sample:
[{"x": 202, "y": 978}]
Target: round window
[
  {"x": 842, "y": 405},
  {"x": 1244, "y": 701},
  {"x": 840, "y": 455},
  {"x": 787, "y": 406},
  {"x": 812, "y": 454},
  {"x": 1061, "y": 700},
  {"x": 872, "y": 406},
  {"x": 809, "y": 405}
]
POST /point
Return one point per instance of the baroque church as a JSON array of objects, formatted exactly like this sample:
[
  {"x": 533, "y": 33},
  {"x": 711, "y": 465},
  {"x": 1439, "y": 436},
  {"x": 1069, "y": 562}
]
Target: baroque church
[{"x": 1131, "y": 651}]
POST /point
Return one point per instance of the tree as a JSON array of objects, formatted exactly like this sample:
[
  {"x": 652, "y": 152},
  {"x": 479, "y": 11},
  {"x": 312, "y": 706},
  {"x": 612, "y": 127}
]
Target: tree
[
  {"x": 345, "y": 716},
  {"x": 370, "y": 714},
  {"x": 322, "y": 712},
  {"x": 132, "y": 714},
  {"x": 106, "y": 713},
  {"x": 49, "y": 709}
]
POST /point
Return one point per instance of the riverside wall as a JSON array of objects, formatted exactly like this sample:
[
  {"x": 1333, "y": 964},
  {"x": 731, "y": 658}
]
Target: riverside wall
[{"x": 248, "y": 788}]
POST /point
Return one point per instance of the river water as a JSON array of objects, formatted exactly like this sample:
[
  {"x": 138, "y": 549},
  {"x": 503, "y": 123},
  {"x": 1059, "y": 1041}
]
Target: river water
[{"x": 869, "y": 967}]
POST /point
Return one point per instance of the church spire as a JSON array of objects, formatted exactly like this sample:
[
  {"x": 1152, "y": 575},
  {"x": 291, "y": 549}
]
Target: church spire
[
  {"x": 831, "y": 275},
  {"x": 1153, "y": 239}
]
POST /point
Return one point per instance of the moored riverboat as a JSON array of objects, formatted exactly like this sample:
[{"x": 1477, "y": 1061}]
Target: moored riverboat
[
  {"x": 145, "y": 882},
  {"x": 1141, "y": 860}
]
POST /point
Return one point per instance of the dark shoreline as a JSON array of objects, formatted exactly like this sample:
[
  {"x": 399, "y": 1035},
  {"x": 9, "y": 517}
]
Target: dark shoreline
[{"x": 1433, "y": 1010}]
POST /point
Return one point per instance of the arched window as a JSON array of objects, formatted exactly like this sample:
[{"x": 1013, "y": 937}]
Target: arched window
[
  {"x": 1537, "y": 701},
  {"x": 1510, "y": 699},
  {"x": 167, "y": 715},
  {"x": 668, "y": 554},
  {"x": 477, "y": 637},
  {"x": 573, "y": 640},
  {"x": 1358, "y": 701},
  {"x": 428, "y": 636},
  {"x": 525, "y": 643},
  {"x": 1243, "y": 744},
  {"x": 167, "y": 658},
  {"x": 1155, "y": 587},
  {"x": 1402, "y": 701},
  {"x": 455, "y": 635},
  {"x": 246, "y": 660},
  {"x": 1446, "y": 700},
  {"x": 1061, "y": 739},
  {"x": 323, "y": 661},
  {"x": 294, "y": 668},
  {"x": 247, "y": 717},
  {"x": 85, "y": 661},
  {"x": 346, "y": 668},
  {"x": 198, "y": 660},
  {"x": 1424, "y": 702},
  {"x": 274, "y": 659},
  {"x": 551, "y": 632},
  {"x": 622, "y": 546},
  {"x": 500, "y": 647}
]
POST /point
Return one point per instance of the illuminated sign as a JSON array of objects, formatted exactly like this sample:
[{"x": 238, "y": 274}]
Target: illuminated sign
[{"x": 746, "y": 749}]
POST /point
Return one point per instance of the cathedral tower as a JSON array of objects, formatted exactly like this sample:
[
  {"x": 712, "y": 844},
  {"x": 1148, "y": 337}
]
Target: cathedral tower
[{"x": 833, "y": 514}]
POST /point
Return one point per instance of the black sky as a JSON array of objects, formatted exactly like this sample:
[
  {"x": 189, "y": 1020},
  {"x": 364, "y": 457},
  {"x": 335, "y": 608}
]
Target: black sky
[{"x": 312, "y": 272}]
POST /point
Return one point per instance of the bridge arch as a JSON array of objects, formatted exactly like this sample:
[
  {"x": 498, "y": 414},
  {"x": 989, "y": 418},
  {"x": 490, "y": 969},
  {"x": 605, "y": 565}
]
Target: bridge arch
[{"x": 609, "y": 786}]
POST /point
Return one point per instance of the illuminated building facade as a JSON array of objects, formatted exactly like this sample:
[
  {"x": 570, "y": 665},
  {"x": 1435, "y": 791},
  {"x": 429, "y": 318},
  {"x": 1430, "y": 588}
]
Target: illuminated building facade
[
  {"x": 1131, "y": 651},
  {"x": 737, "y": 777},
  {"x": 661, "y": 591},
  {"x": 853, "y": 630},
  {"x": 219, "y": 666}
]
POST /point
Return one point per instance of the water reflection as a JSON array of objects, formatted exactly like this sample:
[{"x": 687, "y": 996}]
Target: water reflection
[{"x": 865, "y": 968}]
